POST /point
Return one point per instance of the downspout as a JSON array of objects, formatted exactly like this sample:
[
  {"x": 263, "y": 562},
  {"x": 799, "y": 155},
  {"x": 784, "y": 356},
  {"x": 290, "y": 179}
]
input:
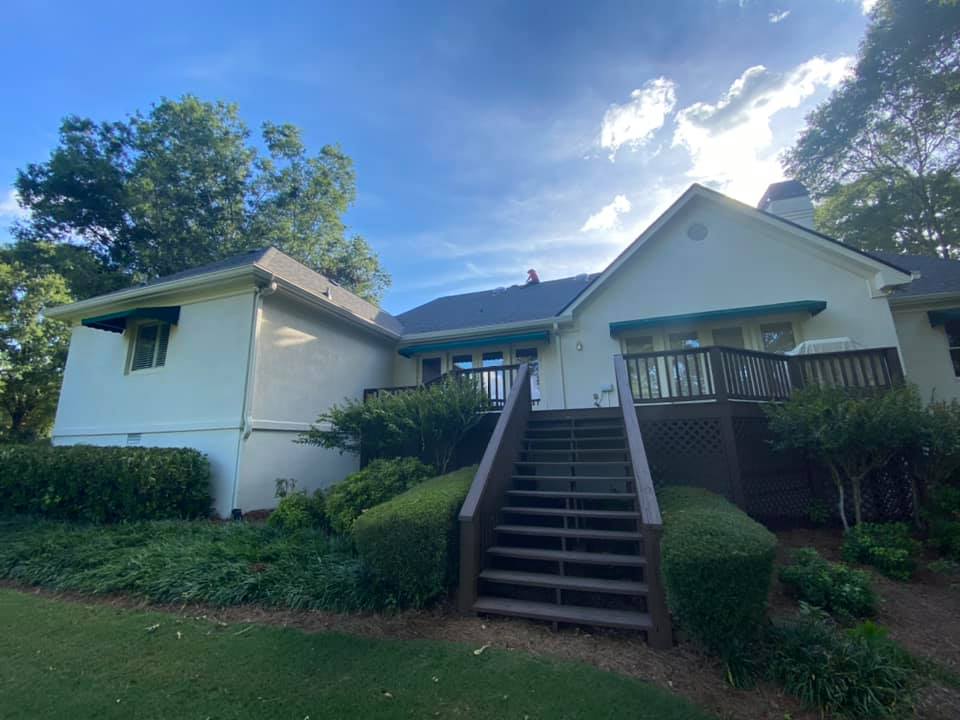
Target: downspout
[
  {"x": 246, "y": 418},
  {"x": 563, "y": 380}
]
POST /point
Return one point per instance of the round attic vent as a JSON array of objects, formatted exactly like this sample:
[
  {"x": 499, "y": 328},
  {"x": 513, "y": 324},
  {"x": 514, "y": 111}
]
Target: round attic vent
[{"x": 697, "y": 232}]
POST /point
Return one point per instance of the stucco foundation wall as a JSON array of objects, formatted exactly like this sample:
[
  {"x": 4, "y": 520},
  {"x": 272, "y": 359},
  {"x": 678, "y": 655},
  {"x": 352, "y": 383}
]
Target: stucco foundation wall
[
  {"x": 742, "y": 262},
  {"x": 306, "y": 361},
  {"x": 269, "y": 455},
  {"x": 194, "y": 400},
  {"x": 220, "y": 447},
  {"x": 925, "y": 354}
]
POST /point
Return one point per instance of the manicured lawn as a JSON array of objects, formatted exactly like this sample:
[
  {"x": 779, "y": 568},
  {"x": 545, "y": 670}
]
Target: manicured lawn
[{"x": 70, "y": 660}]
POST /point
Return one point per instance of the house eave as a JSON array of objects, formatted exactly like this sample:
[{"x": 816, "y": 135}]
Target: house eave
[
  {"x": 478, "y": 330},
  {"x": 75, "y": 311},
  {"x": 907, "y": 301}
]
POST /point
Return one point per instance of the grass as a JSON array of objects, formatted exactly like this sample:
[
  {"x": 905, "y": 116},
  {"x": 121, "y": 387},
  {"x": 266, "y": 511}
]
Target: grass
[
  {"x": 78, "y": 661},
  {"x": 183, "y": 561}
]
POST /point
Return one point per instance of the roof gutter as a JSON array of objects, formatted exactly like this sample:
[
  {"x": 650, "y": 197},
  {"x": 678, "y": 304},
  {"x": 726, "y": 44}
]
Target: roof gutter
[
  {"x": 499, "y": 328},
  {"x": 83, "y": 307}
]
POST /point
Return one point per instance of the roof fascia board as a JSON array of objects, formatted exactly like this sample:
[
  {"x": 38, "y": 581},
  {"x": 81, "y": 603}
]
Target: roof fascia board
[
  {"x": 925, "y": 299},
  {"x": 144, "y": 292}
]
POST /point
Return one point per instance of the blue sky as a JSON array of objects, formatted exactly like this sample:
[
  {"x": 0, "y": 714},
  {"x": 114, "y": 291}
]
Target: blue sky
[{"x": 488, "y": 137}]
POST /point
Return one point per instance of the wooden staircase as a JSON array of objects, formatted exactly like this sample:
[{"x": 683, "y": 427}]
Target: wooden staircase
[
  {"x": 568, "y": 545},
  {"x": 561, "y": 522}
]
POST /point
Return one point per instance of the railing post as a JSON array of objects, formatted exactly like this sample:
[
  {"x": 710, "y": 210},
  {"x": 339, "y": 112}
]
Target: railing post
[
  {"x": 795, "y": 372},
  {"x": 660, "y": 635},
  {"x": 893, "y": 365},
  {"x": 719, "y": 375}
]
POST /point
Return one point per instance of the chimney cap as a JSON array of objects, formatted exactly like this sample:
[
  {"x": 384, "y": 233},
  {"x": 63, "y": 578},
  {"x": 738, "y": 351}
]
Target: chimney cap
[{"x": 782, "y": 191}]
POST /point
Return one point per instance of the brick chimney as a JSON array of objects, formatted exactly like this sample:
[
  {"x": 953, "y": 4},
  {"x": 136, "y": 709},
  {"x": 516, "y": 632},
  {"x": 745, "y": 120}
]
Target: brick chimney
[{"x": 790, "y": 200}]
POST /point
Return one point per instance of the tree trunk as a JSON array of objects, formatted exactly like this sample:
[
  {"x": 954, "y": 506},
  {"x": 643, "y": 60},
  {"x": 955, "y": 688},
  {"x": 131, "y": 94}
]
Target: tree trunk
[
  {"x": 839, "y": 482},
  {"x": 857, "y": 500}
]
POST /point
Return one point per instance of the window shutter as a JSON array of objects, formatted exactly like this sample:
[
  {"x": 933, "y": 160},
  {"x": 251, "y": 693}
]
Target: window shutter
[
  {"x": 162, "y": 343},
  {"x": 144, "y": 347}
]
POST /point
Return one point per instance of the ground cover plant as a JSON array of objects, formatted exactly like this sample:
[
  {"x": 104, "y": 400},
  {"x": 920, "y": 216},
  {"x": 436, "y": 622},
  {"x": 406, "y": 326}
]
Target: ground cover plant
[
  {"x": 179, "y": 561},
  {"x": 74, "y": 660},
  {"x": 858, "y": 673},
  {"x": 889, "y": 547},
  {"x": 842, "y": 591}
]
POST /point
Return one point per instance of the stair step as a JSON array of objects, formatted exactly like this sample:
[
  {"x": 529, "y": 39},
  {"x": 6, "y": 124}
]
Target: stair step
[
  {"x": 573, "y": 477},
  {"x": 572, "y": 462},
  {"x": 563, "y": 512},
  {"x": 539, "y": 426},
  {"x": 565, "y": 582},
  {"x": 573, "y": 494},
  {"x": 563, "y": 613},
  {"x": 575, "y": 441},
  {"x": 585, "y": 533},
  {"x": 586, "y": 558},
  {"x": 571, "y": 451}
]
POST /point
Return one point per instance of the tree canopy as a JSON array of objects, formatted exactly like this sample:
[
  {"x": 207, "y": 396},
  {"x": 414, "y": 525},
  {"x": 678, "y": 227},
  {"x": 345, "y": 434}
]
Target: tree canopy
[
  {"x": 181, "y": 185},
  {"x": 33, "y": 351},
  {"x": 882, "y": 154}
]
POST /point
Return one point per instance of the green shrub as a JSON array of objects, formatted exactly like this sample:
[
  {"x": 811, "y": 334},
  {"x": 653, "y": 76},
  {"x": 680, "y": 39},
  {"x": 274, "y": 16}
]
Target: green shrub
[
  {"x": 376, "y": 483},
  {"x": 717, "y": 566},
  {"x": 298, "y": 510},
  {"x": 843, "y": 592},
  {"x": 942, "y": 515},
  {"x": 104, "y": 484},
  {"x": 428, "y": 421},
  {"x": 178, "y": 561},
  {"x": 410, "y": 544},
  {"x": 857, "y": 674},
  {"x": 886, "y": 546}
]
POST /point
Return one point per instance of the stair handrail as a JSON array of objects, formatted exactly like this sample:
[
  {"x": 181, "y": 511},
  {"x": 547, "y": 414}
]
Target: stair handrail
[
  {"x": 478, "y": 512},
  {"x": 651, "y": 523}
]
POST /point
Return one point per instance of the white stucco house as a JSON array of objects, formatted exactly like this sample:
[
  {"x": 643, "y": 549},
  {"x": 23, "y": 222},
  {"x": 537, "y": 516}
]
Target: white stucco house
[{"x": 237, "y": 357}]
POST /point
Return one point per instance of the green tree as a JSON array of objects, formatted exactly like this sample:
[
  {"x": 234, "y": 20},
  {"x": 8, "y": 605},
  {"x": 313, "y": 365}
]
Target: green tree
[
  {"x": 33, "y": 350},
  {"x": 853, "y": 433},
  {"x": 883, "y": 152},
  {"x": 180, "y": 186}
]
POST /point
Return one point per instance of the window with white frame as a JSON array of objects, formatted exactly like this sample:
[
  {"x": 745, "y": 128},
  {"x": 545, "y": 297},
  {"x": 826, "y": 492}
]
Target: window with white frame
[{"x": 150, "y": 346}]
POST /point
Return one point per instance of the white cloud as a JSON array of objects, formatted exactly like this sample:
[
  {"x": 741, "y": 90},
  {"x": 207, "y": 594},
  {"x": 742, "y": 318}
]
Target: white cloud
[
  {"x": 10, "y": 206},
  {"x": 634, "y": 122},
  {"x": 607, "y": 217},
  {"x": 867, "y": 6},
  {"x": 731, "y": 143},
  {"x": 778, "y": 17}
]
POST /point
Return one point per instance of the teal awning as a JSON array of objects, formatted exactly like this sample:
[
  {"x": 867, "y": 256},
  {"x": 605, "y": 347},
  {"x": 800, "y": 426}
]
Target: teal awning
[
  {"x": 539, "y": 336},
  {"x": 117, "y": 322},
  {"x": 808, "y": 306},
  {"x": 942, "y": 317}
]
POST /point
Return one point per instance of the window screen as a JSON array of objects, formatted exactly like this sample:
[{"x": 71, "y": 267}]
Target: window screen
[{"x": 778, "y": 337}]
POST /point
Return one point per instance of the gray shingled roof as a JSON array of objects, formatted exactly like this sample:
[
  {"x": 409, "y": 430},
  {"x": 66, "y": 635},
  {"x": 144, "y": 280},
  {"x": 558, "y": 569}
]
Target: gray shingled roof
[
  {"x": 937, "y": 276},
  {"x": 283, "y": 266},
  {"x": 517, "y": 303}
]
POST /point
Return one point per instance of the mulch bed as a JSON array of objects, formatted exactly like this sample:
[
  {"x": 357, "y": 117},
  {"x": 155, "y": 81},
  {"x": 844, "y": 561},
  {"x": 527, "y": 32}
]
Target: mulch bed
[{"x": 924, "y": 615}]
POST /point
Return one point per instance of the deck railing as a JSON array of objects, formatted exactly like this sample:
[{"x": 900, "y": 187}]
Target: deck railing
[
  {"x": 651, "y": 524},
  {"x": 722, "y": 373},
  {"x": 496, "y": 382},
  {"x": 478, "y": 515}
]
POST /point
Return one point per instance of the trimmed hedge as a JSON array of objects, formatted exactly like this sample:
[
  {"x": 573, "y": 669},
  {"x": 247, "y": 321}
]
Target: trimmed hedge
[
  {"x": 410, "y": 544},
  {"x": 104, "y": 484},
  {"x": 717, "y": 567},
  {"x": 376, "y": 483}
]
